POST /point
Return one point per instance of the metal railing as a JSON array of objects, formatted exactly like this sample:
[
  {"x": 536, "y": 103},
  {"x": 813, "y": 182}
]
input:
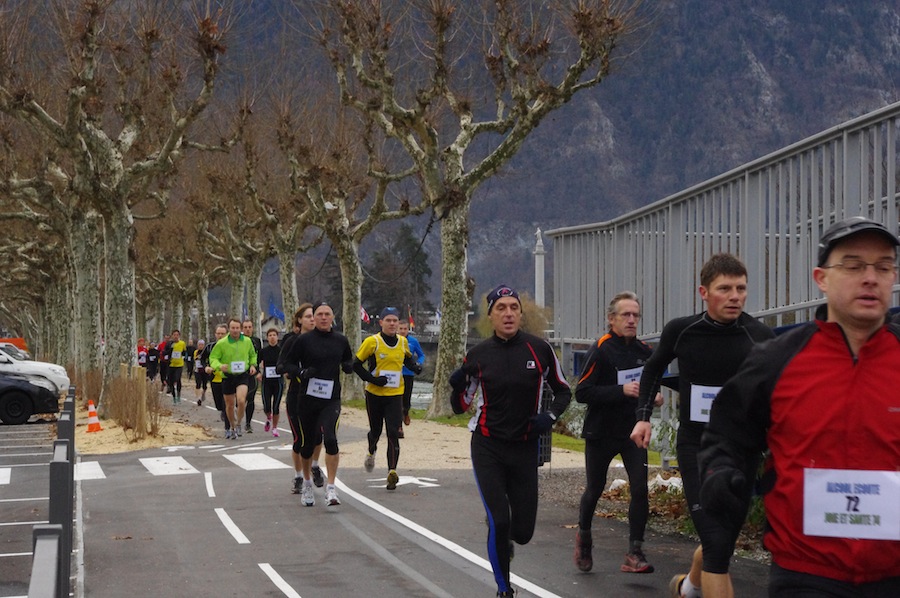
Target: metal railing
[
  {"x": 769, "y": 212},
  {"x": 52, "y": 556}
]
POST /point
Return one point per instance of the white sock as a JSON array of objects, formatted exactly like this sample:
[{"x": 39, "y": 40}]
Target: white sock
[
  {"x": 315, "y": 464},
  {"x": 307, "y": 482},
  {"x": 688, "y": 590},
  {"x": 299, "y": 474},
  {"x": 329, "y": 487}
]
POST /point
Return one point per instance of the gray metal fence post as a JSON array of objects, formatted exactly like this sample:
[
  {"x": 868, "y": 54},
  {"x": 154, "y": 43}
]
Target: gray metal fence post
[
  {"x": 45, "y": 574},
  {"x": 62, "y": 487}
]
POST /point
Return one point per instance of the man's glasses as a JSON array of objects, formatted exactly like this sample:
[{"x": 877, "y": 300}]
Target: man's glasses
[
  {"x": 858, "y": 267},
  {"x": 629, "y": 314}
]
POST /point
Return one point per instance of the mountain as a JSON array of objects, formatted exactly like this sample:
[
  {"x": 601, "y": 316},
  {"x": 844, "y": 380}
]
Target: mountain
[{"x": 705, "y": 86}]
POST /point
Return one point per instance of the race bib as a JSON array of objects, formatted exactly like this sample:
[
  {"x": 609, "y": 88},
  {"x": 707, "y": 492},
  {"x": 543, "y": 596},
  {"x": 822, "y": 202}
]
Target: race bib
[
  {"x": 632, "y": 375},
  {"x": 238, "y": 367},
  {"x": 851, "y": 503},
  {"x": 702, "y": 398},
  {"x": 142, "y": 359},
  {"x": 270, "y": 372},
  {"x": 199, "y": 366},
  {"x": 176, "y": 354},
  {"x": 322, "y": 389},
  {"x": 394, "y": 378}
]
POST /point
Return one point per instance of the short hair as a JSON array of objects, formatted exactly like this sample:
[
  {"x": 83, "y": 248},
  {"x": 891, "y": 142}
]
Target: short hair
[
  {"x": 230, "y": 320},
  {"x": 176, "y": 330},
  {"x": 247, "y": 320},
  {"x": 721, "y": 264},
  {"x": 272, "y": 329},
  {"x": 404, "y": 321},
  {"x": 614, "y": 302}
]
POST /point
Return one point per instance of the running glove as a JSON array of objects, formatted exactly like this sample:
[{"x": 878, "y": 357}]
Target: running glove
[
  {"x": 542, "y": 422},
  {"x": 380, "y": 381},
  {"x": 722, "y": 496},
  {"x": 306, "y": 373}
]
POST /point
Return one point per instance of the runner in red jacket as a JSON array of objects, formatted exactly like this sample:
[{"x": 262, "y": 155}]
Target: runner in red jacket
[{"x": 823, "y": 399}]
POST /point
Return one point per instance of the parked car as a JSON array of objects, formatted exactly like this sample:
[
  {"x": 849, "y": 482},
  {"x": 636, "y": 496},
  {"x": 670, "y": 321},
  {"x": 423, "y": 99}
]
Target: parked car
[
  {"x": 56, "y": 374},
  {"x": 23, "y": 396},
  {"x": 11, "y": 349}
]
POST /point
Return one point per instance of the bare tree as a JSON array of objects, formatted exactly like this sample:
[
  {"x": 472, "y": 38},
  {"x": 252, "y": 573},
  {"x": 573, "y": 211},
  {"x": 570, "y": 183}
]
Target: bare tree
[
  {"x": 332, "y": 166},
  {"x": 109, "y": 90},
  {"x": 459, "y": 86}
]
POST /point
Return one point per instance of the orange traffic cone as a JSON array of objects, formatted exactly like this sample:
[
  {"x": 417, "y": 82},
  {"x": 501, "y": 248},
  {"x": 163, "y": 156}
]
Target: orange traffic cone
[{"x": 93, "y": 420}]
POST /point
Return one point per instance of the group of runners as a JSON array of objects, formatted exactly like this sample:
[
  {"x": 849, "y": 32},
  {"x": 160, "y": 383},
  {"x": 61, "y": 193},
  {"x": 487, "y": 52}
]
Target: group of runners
[
  {"x": 811, "y": 416},
  {"x": 310, "y": 358},
  {"x": 810, "y": 419},
  {"x": 168, "y": 358}
]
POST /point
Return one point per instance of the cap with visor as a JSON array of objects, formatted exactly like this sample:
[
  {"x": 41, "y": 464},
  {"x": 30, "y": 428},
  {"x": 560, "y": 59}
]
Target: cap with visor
[{"x": 839, "y": 231}]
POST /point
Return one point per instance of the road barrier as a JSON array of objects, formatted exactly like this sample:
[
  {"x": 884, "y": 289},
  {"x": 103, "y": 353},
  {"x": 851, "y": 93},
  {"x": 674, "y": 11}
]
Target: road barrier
[{"x": 52, "y": 556}]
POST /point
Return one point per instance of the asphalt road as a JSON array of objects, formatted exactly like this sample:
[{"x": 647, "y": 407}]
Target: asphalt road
[{"x": 219, "y": 520}]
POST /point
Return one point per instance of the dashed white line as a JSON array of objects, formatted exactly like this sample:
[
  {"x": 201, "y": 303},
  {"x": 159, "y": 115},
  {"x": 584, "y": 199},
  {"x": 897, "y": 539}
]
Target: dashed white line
[
  {"x": 210, "y": 491},
  {"x": 233, "y": 529},
  {"x": 278, "y": 581}
]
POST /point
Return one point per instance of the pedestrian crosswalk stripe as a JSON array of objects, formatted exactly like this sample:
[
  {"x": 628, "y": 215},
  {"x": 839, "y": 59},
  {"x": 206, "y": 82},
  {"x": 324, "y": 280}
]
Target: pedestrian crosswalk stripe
[
  {"x": 4, "y": 475},
  {"x": 256, "y": 461},
  {"x": 89, "y": 470},
  {"x": 168, "y": 466}
]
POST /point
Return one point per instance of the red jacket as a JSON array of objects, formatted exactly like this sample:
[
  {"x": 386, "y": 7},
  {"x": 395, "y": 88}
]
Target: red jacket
[{"x": 805, "y": 397}]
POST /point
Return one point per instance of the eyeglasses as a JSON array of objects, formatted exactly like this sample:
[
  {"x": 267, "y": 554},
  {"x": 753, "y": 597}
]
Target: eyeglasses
[
  {"x": 857, "y": 267},
  {"x": 629, "y": 314}
]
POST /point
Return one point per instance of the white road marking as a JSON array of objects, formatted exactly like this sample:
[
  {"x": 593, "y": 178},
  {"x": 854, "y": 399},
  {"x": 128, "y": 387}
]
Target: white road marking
[
  {"x": 89, "y": 470},
  {"x": 233, "y": 529},
  {"x": 256, "y": 461},
  {"x": 278, "y": 581},
  {"x": 4, "y": 475},
  {"x": 210, "y": 491},
  {"x": 453, "y": 547},
  {"x": 168, "y": 466}
]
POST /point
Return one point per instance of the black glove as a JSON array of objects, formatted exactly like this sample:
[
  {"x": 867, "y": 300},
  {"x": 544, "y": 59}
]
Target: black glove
[
  {"x": 347, "y": 366},
  {"x": 306, "y": 373},
  {"x": 458, "y": 380},
  {"x": 722, "y": 496},
  {"x": 380, "y": 381},
  {"x": 542, "y": 422},
  {"x": 416, "y": 368}
]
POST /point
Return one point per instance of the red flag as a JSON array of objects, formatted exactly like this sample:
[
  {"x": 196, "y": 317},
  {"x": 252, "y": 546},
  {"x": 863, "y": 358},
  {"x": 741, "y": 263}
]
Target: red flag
[
  {"x": 412, "y": 323},
  {"x": 363, "y": 315}
]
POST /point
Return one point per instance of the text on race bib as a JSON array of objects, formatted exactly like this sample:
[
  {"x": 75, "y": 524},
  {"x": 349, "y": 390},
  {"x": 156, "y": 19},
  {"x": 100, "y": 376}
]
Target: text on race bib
[{"x": 702, "y": 398}]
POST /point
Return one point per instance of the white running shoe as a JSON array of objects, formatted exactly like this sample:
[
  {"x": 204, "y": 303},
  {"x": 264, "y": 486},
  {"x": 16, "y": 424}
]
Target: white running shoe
[
  {"x": 331, "y": 497},
  {"x": 369, "y": 463},
  {"x": 306, "y": 495}
]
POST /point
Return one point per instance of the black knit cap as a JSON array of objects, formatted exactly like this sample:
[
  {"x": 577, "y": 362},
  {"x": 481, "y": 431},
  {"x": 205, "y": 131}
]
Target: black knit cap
[
  {"x": 845, "y": 228},
  {"x": 501, "y": 291},
  {"x": 319, "y": 304}
]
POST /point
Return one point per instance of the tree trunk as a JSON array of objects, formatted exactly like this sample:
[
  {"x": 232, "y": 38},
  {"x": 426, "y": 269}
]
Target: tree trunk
[
  {"x": 454, "y": 306},
  {"x": 119, "y": 321},
  {"x": 236, "y": 303},
  {"x": 86, "y": 244},
  {"x": 178, "y": 318},
  {"x": 351, "y": 284},
  {"x": 140, "y": 315},
  {"x": 203, "y": 309},
  {"x": 288, "y": 276},
  {"x": 254, "y": 274}
]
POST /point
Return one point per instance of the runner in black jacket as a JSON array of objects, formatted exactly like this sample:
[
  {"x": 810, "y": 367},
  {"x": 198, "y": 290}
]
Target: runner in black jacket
[
  {"x": 508, "y": 371},
  {"x": 315, "y": 360},
  {"x": 710, "y": 347},
  {"x": 609, "y": 386}
]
